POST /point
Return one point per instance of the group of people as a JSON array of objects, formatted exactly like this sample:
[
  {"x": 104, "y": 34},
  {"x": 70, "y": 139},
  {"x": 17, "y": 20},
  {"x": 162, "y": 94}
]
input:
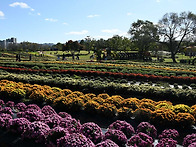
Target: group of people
[{"x": 18, "y": 57}]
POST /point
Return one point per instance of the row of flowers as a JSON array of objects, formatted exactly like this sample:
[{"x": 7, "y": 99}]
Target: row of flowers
[
  {"x": 163, "y": 112},
  {"x": 130, "y": 65},
  {"x": 112, "y": 74},
  {"x": 44, "y": 125}
]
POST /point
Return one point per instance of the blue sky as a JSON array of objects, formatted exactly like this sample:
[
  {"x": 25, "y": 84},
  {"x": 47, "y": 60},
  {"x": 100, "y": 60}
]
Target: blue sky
[{"x": 52, "y": 21}]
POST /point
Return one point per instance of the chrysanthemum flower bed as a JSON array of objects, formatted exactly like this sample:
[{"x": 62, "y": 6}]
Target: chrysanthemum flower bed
[
  {"x": 60, "y": 129},
  {"x": 160, "y": 112}
]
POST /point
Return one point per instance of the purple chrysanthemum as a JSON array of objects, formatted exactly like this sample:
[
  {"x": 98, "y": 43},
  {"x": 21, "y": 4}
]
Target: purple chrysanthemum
[
  {"x": 125, "y": 127},
  {"x": 189, "y": 139},
  {"x": 18, "y": 125},
  {"x": 92, "y": 131},
  {"x": 10, "y": 104},
  {"x": 48, "y": 110},
  {"x": 107, "y": 143},
  {"x": 147, "y": 128},
  {"x": 141, "y": 140},
  {"x": 36, "y": 131},
  {"x": 75, "y": 140},
  {"x": 52, "y": 120},
  {"x": 64, "y": 114},
  {"x": 71, "y": 124},
  {"x": 56, "y": 133},
  {"x": 117, "y": 136},
  {"x": 20, "y": 106},
  {"x": 169, "y": 133},
  {"x": 166, "y": 142}
]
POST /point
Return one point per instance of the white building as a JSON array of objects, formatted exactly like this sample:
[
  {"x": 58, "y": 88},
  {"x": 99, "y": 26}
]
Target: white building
[{"x": 4, "y": 43}]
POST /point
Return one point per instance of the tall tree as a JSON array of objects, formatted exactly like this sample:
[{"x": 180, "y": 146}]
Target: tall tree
[
  {"x": 175, "y": 28},
  {"x": 143, "y": 34}
]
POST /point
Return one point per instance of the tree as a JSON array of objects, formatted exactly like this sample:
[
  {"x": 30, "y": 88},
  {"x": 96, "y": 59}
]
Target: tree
[
  {"x": 176, "y": 28},
  {"x": 143, "y": 34}
]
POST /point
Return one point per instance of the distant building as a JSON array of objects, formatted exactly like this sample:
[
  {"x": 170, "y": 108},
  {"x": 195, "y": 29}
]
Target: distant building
[{"x": 4, "y": 43}]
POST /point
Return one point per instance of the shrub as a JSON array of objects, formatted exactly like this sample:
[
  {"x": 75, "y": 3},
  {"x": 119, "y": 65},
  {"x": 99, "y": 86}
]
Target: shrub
[
  {"x": 125, "y": 127},
  {"x": 169, "y": 142},
  {"x": 163, "y": 116},
  {"x": 147, "y": 128},
  {"x": 92, "y": 131},
  {"x": 107, "y": 143},
  {"x": 74, "y": 140},
  {"x": 189, "y": 139},
  {"x": 18, "y": 125},
  {"x": 185, "y": 119},
  {"x": 54, "y": 134},
  {"x": 141, "y": 140},
  {"x": 117, "y": 136},
  {"x": 169, "y": 133},
  {"x": 36, "y": 131}
]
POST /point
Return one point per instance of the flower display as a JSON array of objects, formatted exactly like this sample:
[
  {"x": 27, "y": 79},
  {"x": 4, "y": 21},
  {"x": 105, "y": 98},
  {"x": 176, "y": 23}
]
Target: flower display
[
  {"x": 98, "y": 100},
  {"x": 165, "y": 105},
  {"x": 142, "y": 114},
  {"x": 92, "y": 131},
  {"x": 163, "y": 116},
  {"x": 4, "y": 119},
  {"x": 192, "y": 144},
  {"x": 169, "y": 133},
  {"x": 54, "y": 134},
  {"x": 125, "y": 127},
  {"x": 147, "y": 105},
  {"x": 10, "y": 104},
  {"x": 18, "y": 125},
  {"x": 166, "y": 142},
  {"x": 31, "y": 115},
  {"x": 181, "y": 108},
  {"x": 91, "y": 106},
  {"x": 117, "y": 136},
  {"x": 7, "y": 110},
  {"x": 64, "y": 114},
  {"x": 147, "y": 128},
  {"x": 33, "y": 106},
  {"x": 115, "y": 99},
  {"x": 2, "y": 103},
  {"x": 185, "y": 119},
  {"x": 52, "y": 120},
  {"x": 20, "y": 106},
  {"x": 48, "y": 110},
  {"x": 131, "y": 103},
  {"x": 71, "y": 124},
  {"x": 103, "y": 96},
  {"x": 74, "y": 140},
  {"x": 189, "y": 139},
  {"x": 140, "y": 140},
  {"x": 36, "y": 131},
  {"x": 107, "y": 110},
  {"x": 107, "y": 143}
]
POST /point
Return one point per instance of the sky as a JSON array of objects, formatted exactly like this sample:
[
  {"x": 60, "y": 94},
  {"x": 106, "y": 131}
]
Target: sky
[{"x": 53, "y": 21}]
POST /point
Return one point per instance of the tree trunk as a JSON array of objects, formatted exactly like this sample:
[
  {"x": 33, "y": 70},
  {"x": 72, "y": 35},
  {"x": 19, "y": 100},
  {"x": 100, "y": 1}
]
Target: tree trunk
[{"x": 173, "y": 57}]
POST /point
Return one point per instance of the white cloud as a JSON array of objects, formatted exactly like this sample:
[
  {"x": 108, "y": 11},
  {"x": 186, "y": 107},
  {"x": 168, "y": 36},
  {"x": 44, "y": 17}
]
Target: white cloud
[
  {"x": 129, "y": 14},
  {"x": 51, "y": 19},
  {"x": 158, "y": 1},
  {"x": 83, "y": 32},
  {"x": 65, "y": 23},
  {"x": 20, "y": 4},
  {"x": 111, "y": 31},
  {"x": 38, "y": 14},
  {"x": 1, "y": 14},
  {"x": 91, "y": 16}
]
